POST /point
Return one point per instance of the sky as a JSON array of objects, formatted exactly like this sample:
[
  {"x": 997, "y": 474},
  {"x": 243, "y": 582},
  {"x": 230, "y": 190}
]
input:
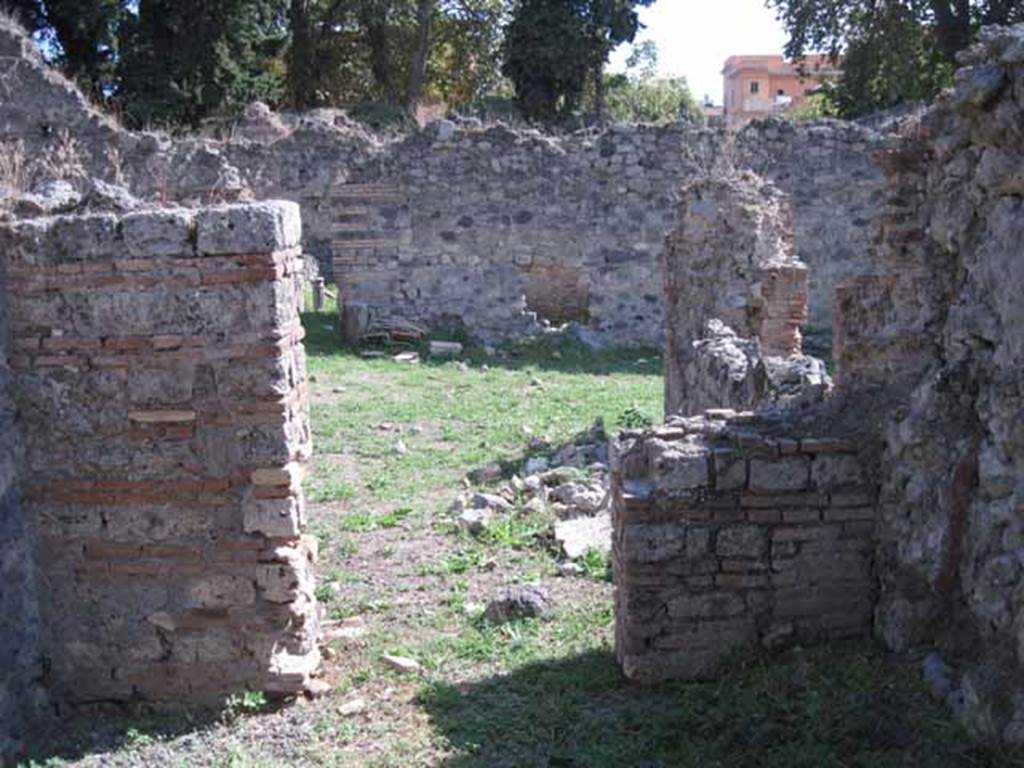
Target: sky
[{"x": 695, "y": 37}]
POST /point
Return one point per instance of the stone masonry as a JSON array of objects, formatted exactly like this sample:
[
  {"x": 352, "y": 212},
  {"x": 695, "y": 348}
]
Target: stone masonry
[
  {"x": 460, "y": 225},
  {"x": 726, "y": 537},
  {"x": 160, "y": 394},
  {"x": 21, "y": 696},
  {"x": 731, "y": 260},
  {"x": 903, "y": 490}
]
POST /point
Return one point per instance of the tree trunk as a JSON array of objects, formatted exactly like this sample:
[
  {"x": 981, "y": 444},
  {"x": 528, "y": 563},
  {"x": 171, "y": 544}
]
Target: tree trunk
[
  {"x": 598, "y": 75},
  {"x": 952, "y": 25},
  {"x": 418, "y": 66},
  {"x": 375, "y": 27},
  {"x": 302, "y": 85}
]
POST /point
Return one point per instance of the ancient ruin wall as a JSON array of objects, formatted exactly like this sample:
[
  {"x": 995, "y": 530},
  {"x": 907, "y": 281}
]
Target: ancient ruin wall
[
  {"x": 729, "y": 534},
  {"x": 160, "y": 389},
  {"x": 731, "y": 260},
  {"x": 20, "y": 657},
  {"x": 942, "y": 328},
  {"x": 460, "y": 225}
]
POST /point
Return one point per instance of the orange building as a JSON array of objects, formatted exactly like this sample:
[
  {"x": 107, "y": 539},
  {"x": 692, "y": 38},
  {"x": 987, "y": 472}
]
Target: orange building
[{"x": 759, "y": 86}]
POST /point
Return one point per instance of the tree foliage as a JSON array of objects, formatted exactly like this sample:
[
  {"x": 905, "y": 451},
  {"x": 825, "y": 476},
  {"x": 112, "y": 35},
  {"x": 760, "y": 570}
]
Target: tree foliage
[
  {"x": 188, "y": 59},
  {"x": 552, "y": 47},
  {"x": 891, "y": 50},
  {"x": 639, "y": 95}
]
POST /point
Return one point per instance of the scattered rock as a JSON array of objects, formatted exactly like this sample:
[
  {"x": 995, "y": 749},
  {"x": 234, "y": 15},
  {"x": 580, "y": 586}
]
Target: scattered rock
[
  {"x": 445, "y": 349},
  {"x": 580, "y": 534},
  {"x": 568, "y": 569},
  {"x": 536, "y": 464},
  {"x": 580, "y": 499},
  {"x": 317, "y": 689},
  {"x": 474, "y": 521},
  {"x": 401, "y": 664},
  {"x": 534, "y": 506},
  {"x": 490, "y": 501},
  {"x": 352, "y": 707},
  {"x": 486, "y": 474},
  {"x": 523, "y": 601}
]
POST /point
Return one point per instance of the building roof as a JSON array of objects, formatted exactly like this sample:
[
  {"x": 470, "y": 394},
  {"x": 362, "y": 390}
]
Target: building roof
[{"x": 774, "y": 64}]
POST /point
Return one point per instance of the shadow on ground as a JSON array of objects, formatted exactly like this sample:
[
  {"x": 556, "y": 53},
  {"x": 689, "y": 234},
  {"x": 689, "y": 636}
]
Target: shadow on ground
[
  {"x": 109, "y": 729},
  {"x": 841, "y": 705}
]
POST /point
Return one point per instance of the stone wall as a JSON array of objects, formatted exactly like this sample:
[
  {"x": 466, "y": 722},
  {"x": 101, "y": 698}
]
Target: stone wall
[
  {"x": 930, "y": 350},
  {"x": 461, "y": 225},
  {"x": 728, "y": 533},
  {"x": 21, "y": 697},
  {"x": 941, "y": 330},
  {"x": 159, "y": 381},
  {"x": 729, "y": 259}
]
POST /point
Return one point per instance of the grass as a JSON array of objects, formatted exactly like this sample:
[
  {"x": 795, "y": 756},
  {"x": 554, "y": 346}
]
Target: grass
[{"x": 538, "y": 692}]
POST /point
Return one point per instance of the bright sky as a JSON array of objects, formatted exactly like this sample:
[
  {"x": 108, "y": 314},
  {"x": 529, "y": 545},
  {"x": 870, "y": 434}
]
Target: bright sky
[{"x": 695, "y": 37}]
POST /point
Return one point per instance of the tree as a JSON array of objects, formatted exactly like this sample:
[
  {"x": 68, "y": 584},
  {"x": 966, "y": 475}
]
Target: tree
[
  {"x": 639, "y": 95},
  {"x": 891, "y": 50},
  {"x": 188, "y": 59},
  {"x": 554, "y": 46},
  {"x": 80, "y": 36}
]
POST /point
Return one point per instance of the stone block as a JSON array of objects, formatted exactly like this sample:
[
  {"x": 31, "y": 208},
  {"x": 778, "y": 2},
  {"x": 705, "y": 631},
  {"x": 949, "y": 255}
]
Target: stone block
[
  {"x": 274, "y": 518},
  {"x": 842, "y": 471},
  {"x": 779, "y": 475},
  {"x": 165, "y": 232},
  {"x": 245, "y": 228},
  {"x": 742, "y": 541}
]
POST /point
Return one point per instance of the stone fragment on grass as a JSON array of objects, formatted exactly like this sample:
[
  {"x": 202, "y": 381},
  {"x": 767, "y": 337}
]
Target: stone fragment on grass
[
  {"x": 579, "y": 498},
  {"x": 474, "y": 521},
  {"x": 402, "y": 664},
  {"x": 579, "y": 535},
  {"x": 353, "y": 707},
  {"x": 490, "y": 501},
  {"x": 523, "y": 601},
  {"x": 445, "y": 349}
]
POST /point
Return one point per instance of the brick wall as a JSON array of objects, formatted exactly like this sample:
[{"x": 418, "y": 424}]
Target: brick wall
[
  {"x": 159, "y": 378},
  {"x": 728, "y": 533},
  {"x": 21, "y": 697}
]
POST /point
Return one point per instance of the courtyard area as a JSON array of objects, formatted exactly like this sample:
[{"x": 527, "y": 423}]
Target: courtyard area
[{"x": 420, "y": 677}]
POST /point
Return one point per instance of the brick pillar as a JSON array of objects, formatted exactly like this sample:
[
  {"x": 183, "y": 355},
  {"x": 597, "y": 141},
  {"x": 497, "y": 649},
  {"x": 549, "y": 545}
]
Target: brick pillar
[{"x": 161, "y": 385}]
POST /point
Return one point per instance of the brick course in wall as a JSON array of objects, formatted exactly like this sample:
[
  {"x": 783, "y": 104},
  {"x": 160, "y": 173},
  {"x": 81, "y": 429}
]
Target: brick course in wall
[
  {"x": 727, "y": 536},
  {"x": 159, "y": 379}
]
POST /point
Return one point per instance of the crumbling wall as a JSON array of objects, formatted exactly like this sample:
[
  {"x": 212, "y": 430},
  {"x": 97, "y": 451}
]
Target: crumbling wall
[
  {"x": 728, "y": 533},
  {"x": 929, "y": 344},
  {"x": 462, "y": 225},
  {"x": 731, "y": 260},
  {"x": 21, "y": 697},
  {"x": 159, "y": 380},
  {"x": 827, "y": 169},
  {"x": 941, "y": 329}
]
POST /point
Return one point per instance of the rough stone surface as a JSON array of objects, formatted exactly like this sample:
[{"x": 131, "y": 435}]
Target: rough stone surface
[
  {"x": 736, "y": 298},
  {"x": 917, "y": 533},
  {"x": 523, "y": 601},
  {"x": 717, "y": 561},
  {"x": 940, "y": 330},
  {"x": 163, "y": 424},
  {"x": 454, "y": 226},
  {"x": 21, "y": 697}
]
